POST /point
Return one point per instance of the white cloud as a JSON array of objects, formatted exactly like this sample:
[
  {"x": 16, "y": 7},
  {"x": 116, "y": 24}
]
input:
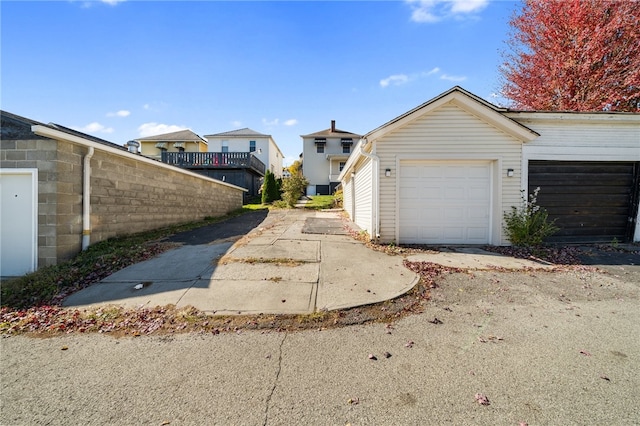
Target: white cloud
[
  {"x": 94, "y": 127},
  {"x": 121, "y": 113},
  {"x": 435, "y": 70},
  {"x": 273, "y": 122},
  {"x": 396, "y": 80},
  {"x": 452, "y": 77},
  {"x": 291, "y": 122},
  {"x": 151, "y": 129},
  {"x": 430, "y": 11},
  {"x": 112, "y": 2},
  {"x": 236, "y": 123},
  {"x": 400, "y": 79}
]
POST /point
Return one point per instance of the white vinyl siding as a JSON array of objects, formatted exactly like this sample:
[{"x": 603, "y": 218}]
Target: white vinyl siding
[
  {"x": 363, "y": 191},
  {"x": 449, "y": 133},
  {"x": 347, "y": 197}
]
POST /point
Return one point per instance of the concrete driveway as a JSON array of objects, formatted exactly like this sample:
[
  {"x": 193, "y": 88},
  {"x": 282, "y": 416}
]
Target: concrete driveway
[{"x": 269, "y": 267}]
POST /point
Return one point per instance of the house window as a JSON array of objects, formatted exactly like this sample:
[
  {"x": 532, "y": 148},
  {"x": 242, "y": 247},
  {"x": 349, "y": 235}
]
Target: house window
[
  {"x": 225, "y": 146},
  {"x": 342, "y": 163},
  {"x": 346, "y": 145},
  {"x": 320, "y": 148},
  {"x": 252, "y": 146}
]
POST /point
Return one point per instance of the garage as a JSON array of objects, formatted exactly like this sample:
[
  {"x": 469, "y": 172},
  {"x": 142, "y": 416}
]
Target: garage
[
  {"x": 445, "y": 202},
  {"x": 591, "y": 201}
]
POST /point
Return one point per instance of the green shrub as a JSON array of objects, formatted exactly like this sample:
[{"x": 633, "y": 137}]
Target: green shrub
[
  {"x": 270, "y": 191},
  {"x": 293, "y": 188},
  {"x": 529, "y": 224}
]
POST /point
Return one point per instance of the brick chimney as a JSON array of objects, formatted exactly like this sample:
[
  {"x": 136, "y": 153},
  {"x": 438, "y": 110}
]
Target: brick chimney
[{"x": 333, "y": 126}]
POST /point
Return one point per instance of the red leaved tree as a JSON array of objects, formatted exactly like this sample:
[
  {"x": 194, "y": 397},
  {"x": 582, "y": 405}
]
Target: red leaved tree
[{"x": 576, "y": 55}]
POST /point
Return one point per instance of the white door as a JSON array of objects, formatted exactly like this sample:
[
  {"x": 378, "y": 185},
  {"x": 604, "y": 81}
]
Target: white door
[
  {"x": 445, "y": 202},
  {"x": 18, "y": 221}
]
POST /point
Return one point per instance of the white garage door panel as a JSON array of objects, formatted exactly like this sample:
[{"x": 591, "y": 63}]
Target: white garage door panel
[{"x": 445, "y": 202}]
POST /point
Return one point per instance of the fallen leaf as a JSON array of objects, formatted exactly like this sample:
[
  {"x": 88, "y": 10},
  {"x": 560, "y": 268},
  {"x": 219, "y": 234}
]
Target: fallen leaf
[{"x": 482, "y": 399}]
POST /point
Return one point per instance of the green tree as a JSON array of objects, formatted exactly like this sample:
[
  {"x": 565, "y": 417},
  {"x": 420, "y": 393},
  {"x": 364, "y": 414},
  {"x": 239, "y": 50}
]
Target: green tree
[{"x": 270, "y": 191}]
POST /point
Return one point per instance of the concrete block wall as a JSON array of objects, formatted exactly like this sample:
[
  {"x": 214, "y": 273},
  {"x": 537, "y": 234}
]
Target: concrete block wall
[
  {"x": 129, "y": 196},
  {"x": 38, "y": 153}
]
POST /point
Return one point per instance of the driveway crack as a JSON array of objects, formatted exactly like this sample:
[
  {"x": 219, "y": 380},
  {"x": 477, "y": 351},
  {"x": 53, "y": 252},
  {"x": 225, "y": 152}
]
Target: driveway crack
[{"x": 275, "y": 383}]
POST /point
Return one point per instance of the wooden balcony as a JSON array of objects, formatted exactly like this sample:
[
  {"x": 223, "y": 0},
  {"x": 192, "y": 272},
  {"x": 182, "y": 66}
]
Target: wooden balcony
[{"x": 214, "y": 160}]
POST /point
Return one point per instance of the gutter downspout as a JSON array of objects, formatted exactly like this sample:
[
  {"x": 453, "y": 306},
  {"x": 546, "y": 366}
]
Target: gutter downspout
[
  {"x": 86, "y": 200},
  {"x": 376, "y": 188}
]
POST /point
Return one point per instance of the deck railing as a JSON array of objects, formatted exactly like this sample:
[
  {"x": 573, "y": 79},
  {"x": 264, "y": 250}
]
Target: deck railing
[{"x": 214, "y": 160}]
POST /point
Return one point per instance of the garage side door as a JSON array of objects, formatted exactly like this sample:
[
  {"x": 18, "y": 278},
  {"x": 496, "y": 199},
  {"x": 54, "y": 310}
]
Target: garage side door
[
  {"x": 444, "y": 202},
  {"x": 591, "y": 201},
  {"x": 18, "y": 210}
]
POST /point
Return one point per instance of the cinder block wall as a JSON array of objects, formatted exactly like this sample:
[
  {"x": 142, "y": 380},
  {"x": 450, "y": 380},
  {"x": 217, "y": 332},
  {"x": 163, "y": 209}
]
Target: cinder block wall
[
  {"x": 35, "y": 152},
  {"x": 129, "y": 196}
]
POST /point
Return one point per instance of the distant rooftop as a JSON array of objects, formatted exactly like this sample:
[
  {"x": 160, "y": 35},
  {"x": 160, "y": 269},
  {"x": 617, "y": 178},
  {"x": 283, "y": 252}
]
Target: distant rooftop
[
  {"x": 179, "y": 136},
  {"x": 333, "y": 132},
  {"x": 240, "y": 132}
]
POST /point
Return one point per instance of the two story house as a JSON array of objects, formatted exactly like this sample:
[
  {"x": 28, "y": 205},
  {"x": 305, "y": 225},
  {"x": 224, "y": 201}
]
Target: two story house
[
  {"x": 324, "y": 155},
  {"x": 180, "y": 141},
  {"x": 261, "y": 146}
]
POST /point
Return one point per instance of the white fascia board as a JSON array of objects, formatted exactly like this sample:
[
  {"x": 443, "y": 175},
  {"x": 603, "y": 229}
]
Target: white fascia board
[
  {"x": 576, "y": 117},
  {"x": 59, "y": 135}
]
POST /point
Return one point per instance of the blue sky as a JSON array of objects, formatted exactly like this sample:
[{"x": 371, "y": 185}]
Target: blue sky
[{"x": 119, "y": 70}]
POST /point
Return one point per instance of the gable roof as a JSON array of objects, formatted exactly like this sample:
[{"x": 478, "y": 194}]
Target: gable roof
[
  {"x": 185, "y": 135},
  {"x": 240, "y": 132},
  {"x": 332, "y": 132},
  {"x": 467, "y": 101},
  {"x": 29, "y": 123}
]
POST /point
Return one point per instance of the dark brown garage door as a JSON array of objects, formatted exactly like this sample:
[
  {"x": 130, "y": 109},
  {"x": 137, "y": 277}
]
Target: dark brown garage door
[{"x": 591, "y": 201}]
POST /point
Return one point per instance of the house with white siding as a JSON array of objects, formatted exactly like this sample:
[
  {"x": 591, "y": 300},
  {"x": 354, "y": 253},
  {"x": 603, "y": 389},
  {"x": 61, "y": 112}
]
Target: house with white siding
[
  {"x": 324, "y": 154},
  {"x": 261, "y": 146},
  {"x": 447, "y": 171}
]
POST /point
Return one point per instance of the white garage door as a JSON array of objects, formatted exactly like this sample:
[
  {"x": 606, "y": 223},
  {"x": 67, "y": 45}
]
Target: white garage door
[{"x": 445, "y": 202}]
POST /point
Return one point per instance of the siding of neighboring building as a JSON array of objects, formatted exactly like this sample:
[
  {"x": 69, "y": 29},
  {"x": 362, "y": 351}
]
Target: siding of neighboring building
[
  {"x": 448, "y": 133},
  {"x": 266, "y": 151},
  {"x": 583, "y": 137}
]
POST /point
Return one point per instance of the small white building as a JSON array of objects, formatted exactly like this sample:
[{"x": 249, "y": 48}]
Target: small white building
[
  {"x": 263, "y": 147},
  {"x": 324, "y": 155},
  {"x": 447, "y": 171}
]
